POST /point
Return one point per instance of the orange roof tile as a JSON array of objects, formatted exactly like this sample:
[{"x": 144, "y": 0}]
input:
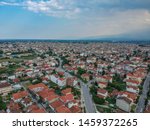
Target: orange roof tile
[
  {"x": 66, "y": 91},
  {"x": 19, "y": 95},
  {"x": 40, "y": 85},
  {"x": 63, "y": 109},
  {"x": 56, "y": 104}
]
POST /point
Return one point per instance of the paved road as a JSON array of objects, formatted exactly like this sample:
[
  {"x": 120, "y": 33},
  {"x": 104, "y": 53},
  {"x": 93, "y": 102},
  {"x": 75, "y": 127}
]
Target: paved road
[
  {"x": 143, "y": 97},
  {"x": 87, "y": 98},
  {"x": 85, "y": 94}
]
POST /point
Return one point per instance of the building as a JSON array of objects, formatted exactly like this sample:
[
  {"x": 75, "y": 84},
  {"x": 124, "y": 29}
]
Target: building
[
  {"x": 132, "y": 89},
  {"x": 71, "y": 81},
  {"x": 37, "y": 87},
  {"x": 5, "y": 88},
  {"x": 102, "y": 84},
  {"x": 102, "y": 93},
  {"x": 86, "y": 76},
  {"x": 134, "y": 83},
  {"x": 55, "y": 105},
  {"x": 124, "y": 103},
  {"x": 57, "y": 80},
  {"x": 19, "y": 95}
]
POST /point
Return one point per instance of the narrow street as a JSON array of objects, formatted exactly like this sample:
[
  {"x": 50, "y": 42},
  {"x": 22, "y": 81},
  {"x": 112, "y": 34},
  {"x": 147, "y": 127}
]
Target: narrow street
[
  {"x": 141, "y": 103},
  {"x": 86, "y": 96}
]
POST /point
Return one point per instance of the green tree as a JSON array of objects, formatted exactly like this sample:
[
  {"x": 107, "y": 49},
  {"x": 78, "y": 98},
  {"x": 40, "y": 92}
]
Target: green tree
[
  {"x": 98, "y": 100},
  {"x": 111, "y": 100},
  {"x": 93, "y": 90},
  {"x": 2, "y": 104},
  {"x": 81, "y": 71}
]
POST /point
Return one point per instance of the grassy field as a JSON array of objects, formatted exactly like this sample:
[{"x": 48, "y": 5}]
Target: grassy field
[{"x": 16, "y": 60}]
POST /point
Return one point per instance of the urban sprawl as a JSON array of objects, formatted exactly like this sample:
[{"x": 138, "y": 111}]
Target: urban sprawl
[{"x": 49, "y": 77}]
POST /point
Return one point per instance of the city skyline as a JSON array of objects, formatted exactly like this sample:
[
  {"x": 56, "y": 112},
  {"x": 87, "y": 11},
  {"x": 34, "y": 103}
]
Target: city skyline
[{"x": 68, "y": 19}]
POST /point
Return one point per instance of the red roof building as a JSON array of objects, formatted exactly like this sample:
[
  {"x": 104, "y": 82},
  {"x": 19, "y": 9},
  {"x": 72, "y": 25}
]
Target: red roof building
[
  {"x": 19, "y": 95},
  {"x": 63, "y": 109}
]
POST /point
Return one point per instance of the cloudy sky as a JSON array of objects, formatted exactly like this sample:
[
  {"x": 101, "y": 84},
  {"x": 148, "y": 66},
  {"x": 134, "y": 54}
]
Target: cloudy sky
[{"x": 64, "y": 19}]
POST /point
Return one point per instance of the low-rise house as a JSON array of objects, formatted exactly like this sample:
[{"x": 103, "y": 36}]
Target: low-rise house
[
  {"x": 26, "y": 102},
  {"x": 63, "y": 109},
  {"x": 71, "y": 81},
  {"x": 39, "y": 110},
  {"x": 12, "y": 77},
  {"x": 81, "y": 65},
  {"x": 130, "y": 95},
  {"x": 13, "y": 107},
  {"x": 16, "y": 80},
  {"x": 124, "y": 103},
  {"x": 37, "y": 87},
  {"x": 17, "y": 86},
  {"x": 134, "y": 83},
  {"x": 102, "y": 84},
  {"x": 5, "y": 88},
  {"x": 134, "y": 77},
  {"x": 132, "y": 89},
  {"x": 32, "y": 107},
  {"x": 67, "y": 98},
  {"x": 86, "y": 76},
  {"x": 55, "y": 105},
  {"x": 104, "y": 78},
  {"x": 66, "y": 91},
  {"x": 19, "y": 95},
  {"x": 61, "y": 82},
  {"x": 47, "y": 95},
  {"x": 72, "y": 103},
  {"x": 75, "y": 109},
  {"x": 102, "y": 93},
  {"x": 52, "y": 98}
]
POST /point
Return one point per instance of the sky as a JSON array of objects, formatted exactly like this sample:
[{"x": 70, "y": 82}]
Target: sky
[{"x": 74, "y": 19}]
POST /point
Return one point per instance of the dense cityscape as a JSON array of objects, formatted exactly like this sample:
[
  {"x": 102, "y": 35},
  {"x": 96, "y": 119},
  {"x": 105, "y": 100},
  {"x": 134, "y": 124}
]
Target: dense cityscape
[{"x": 74, "y": 77}]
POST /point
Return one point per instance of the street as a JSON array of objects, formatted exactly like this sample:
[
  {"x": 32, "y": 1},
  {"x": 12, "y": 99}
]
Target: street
[
  {"x": 141, "y": 103},
  {"x": 85, "y": 94}
]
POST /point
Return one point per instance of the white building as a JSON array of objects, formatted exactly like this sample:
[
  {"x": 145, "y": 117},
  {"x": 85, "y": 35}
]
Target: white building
[
  {"x": 124, "y": 103},
  {"x": 132, "y": 89}
]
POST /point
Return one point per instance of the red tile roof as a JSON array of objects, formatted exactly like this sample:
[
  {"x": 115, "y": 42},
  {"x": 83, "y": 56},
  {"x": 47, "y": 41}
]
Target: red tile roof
[
  {"x": 104, "y": 83},
  {"x": 133, "y": 87},
  {"x": 63, "y": 109},
  {"x": 20, "y": 95},
  {"x": 33, "y": 107},
  {"x": 75, "y": 109},
  {"x": 3, "y": 85},
  {"x": 52, "y": 97},
  {"x": 14, "y": 107},
  {"x": 56, "y": 104},
  {"x": 66, "y": 91},
  {"x": 40, "y": 85},
  {"x": 132, "y": 81},
  {"x": 16, "y": 80},
  {"x": 67, "y": 98},
  {"x": 130, "y": 95},
  {"x": 46, "y": 93},
  {"x": 40, "y": 110},
  {"x": 103, "y": 91}
]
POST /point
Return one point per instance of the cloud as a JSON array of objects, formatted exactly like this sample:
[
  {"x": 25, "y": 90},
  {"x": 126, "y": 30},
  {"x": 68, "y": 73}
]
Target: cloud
[
  {"x": 73, "y": 8},
  {"x": 93, "y": 17},
  {"x": 57, "y": 8},
  {"x": 3, "y": 3}
]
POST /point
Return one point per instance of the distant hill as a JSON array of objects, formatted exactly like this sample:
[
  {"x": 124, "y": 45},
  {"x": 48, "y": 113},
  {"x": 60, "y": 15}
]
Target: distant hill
[{"x": 133, "y": 36}]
